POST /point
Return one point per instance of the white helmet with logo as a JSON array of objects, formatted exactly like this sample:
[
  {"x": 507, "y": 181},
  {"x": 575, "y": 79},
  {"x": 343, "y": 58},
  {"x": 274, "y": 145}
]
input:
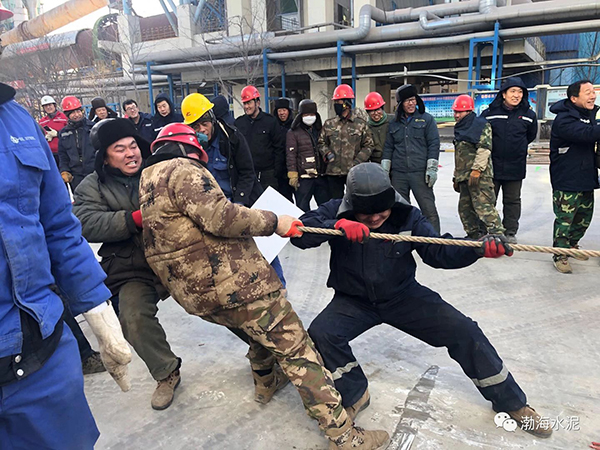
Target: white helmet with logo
[{"x": 47, "y": 100}]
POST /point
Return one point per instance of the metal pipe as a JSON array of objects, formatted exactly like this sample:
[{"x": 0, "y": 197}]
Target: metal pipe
[
  {"x": 202, "y": 64},
  {"x": 51, "y": 20}
]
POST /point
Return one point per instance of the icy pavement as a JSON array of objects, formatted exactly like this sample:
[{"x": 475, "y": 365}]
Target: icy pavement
[{"x": 543, "y": 324}]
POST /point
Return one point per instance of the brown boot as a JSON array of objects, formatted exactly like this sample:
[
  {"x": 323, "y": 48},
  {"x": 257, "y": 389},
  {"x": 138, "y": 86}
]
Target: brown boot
[
  {"x": 360, "y": 405},
  {"x": 353, "y": 437},
  {"x": 530, "y": 421},
  {"x": 562, "y": 264},
  {"x": 265, "y": 387},
  {"x": 165, "y": 391}
]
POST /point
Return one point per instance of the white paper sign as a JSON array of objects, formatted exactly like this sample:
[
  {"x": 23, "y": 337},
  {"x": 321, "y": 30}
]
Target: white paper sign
[{"x": 271, "y": 200}]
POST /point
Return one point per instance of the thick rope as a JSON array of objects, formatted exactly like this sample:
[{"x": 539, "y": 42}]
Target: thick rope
[{"x": 459, "y": 242}]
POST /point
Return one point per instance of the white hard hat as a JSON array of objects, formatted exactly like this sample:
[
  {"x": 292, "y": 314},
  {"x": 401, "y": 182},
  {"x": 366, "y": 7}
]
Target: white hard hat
[{"x": 47, "y": 100}]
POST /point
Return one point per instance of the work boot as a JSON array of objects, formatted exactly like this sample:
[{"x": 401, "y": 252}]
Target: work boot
[
  {"x": 579, "y": 257},
  {"x": 266, "y": 386},
  {"x": 93, "y": 364},
  {"x": 352, "y": 437},
  {"x": 562, "y": 264},
  {"x": 360, "y": 405},
  {"x": 165, "y": 391},
  {"x": 511, "y": 238},
  {"x": 530, "y": 421}
]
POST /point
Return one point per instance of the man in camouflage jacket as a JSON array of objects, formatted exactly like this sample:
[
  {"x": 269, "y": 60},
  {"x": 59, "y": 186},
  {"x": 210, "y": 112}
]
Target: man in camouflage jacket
[
  {"x": 200, "y": 246},
  {"x": 473, "y": 175}
]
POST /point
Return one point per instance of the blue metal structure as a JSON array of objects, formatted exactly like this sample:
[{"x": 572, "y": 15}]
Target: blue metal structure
[
  {"x": 497, "y": 52},
  {"x": 150, "y": 91},
  {"x": 171, "y": 89},
  {"x": 340, "y": 54},
  {"x": 266, "y": 79}
]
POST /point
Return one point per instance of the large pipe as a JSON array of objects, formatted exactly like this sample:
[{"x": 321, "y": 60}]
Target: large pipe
[{"x": 51, "y": 20}]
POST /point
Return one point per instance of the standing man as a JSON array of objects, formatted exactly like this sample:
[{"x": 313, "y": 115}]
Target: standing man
[
  {"x": 285, "y": 116},
  {"x": 41, "y": 384},
  {"x": 52, "y": 123},
  {"x": 264, "y": 137},
  {"x": 344, "y": 142},
  {"x": 573, "y": 167},
  {"x": 412, "y": 151},
  {"x": 200, "y": 245},
  {"x": 107, "y": 204},
  {"x": 75, "y": 150},
  {"x": 369, "y": 293},
  {"x": 164, "y": 113},
  {"x": 304, "y": 163},
  {"x": 473, "y": 170},
  {"x": 141, "y": 120},
  {"x": 514, "y": 127},
  {"x": 378, "y": 123}
]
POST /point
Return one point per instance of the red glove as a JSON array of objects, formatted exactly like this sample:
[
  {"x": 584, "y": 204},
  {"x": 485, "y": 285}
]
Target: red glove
[
  {"x": 294, "y": 232},
  {"x": 494, "y": 246},
  {"x": 137, "y": 218},
  {"x": 354, "y": 231}
]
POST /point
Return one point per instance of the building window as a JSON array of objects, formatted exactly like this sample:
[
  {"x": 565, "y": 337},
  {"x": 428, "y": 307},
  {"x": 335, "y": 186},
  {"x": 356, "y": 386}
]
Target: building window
[
  {"x": 283, "y": 15},
  {"x": 343, "y": 12}
]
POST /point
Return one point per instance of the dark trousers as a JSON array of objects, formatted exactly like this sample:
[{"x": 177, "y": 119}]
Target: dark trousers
[
  {"x": 310, "y": 187},
  {"x": 405, "y": 182},
  {"x": 85, "y": 349},
  {"x": 424, "y": 315},
  {"x": 267, "y": 178},
  {"x": 285, "y": 189},
  {"x": 335, "y": 185},
  {"x": 511, "y": 203}
]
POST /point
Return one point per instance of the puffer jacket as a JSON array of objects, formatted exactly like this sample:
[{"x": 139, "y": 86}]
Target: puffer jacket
[
  {"x": 198, "y": 242},
  {"x": 75, "y": 150},
  {"x": 302, "y": 155},
  {"x": 513, "y": 130}
]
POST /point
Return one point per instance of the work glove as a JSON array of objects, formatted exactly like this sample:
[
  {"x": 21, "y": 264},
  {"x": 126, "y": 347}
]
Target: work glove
[
  {"x": 114, "y": 350},
  {"x": 432, "y": 172},
  {"x": 329, "y": 157},
  {"x": 294, "y": 181},
  {"x": 386, "y": 164},
  {"x": 66, "y": 176},
  {"x": 137, "y": 218},
  {"x": 51, "y": 134},
  {"x": 353, "y": 231},
  {"x": 474, "y": 178},
  {"x": 287, "y": 227},
  {"x": 494, "y": 246},
  {"x": 455, "y": 185}
]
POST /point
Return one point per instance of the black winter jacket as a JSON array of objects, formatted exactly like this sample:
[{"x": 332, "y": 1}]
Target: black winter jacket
[
  {"x": 266, "y": 142},
  {"x": 75, "y": 150},
  {"x": 302, "y": 155},
  {"x": 512, "y": 131},
  {"x": 158, "y": 121},
  {"x": 572, "y": 148},
  {"x": 378, "y": 271},
  {"x": 244, "y": 185},
  {"x": 144, "y": 126}
]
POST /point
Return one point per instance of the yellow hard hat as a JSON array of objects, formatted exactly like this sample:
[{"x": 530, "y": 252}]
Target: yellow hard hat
[{"x": 194, "y": 106}]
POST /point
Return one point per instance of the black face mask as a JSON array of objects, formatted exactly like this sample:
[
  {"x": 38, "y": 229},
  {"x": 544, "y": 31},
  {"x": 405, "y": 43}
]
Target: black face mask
[{"x": 339, "y": 109}]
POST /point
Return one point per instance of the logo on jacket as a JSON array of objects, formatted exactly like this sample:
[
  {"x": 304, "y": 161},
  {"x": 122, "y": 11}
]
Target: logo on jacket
[{"x": 16, "y": 140}]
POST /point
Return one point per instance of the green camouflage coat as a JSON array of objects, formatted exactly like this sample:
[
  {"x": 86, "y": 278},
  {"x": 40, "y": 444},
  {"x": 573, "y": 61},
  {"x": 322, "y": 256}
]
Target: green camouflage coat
[
  {"x": 199, "y": 243},
  {"x": 350, "y": 141},
  {"x": 468, "y": 156}
]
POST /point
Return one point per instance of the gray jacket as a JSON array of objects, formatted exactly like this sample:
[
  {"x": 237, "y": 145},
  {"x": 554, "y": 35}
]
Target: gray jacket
[{"x": 409, "y": 144}]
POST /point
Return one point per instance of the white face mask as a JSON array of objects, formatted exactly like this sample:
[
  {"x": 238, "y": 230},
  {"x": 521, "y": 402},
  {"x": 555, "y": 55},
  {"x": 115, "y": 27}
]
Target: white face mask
[{"x": 309, "y": 120}]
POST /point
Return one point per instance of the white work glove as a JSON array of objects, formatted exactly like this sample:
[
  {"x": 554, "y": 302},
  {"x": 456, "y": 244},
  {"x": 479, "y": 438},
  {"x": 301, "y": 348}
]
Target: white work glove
[
  {"x": 114, "y": 350},
  {"x": 386, "y": 164},
  {"x": 51, "y": 134},
  {"x": 432, "y": 172}
]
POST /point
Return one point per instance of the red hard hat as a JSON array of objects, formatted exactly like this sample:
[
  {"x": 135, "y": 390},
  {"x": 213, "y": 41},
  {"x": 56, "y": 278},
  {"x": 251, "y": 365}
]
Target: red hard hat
[
  {"x": 373, "y": 101},
  {"x": 179, "y": 132},
  {"x": 249, "y": 93},
  {"x": 5, "y": 13},
  {"x": 463, "y": 102},
  {"x": 342, "y": 92},
  {"x": 70, "y": 103}
]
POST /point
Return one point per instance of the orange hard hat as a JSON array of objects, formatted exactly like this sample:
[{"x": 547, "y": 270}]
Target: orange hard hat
[
  {"x": 181, "y": 133},
  {"x": 463, "y": 102},
  {"x": 343, "y": 92},
  {"x": 70, "y": 103},
  {"x": 373, "y": 101},
  {"x": 249, "y": 93}
]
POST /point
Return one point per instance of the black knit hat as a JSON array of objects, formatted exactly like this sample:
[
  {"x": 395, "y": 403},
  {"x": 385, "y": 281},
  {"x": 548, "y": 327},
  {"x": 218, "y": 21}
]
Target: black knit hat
[
  {"x": 283, "y": 103},
  {"x": 109, "y": 131}
]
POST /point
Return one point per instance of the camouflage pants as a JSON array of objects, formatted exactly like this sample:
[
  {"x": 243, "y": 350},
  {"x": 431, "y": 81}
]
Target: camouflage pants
[
  {"x": 272, "y": 324},
  {"x": 573, "y": 213},
  {"x": 476, "y": 205}
]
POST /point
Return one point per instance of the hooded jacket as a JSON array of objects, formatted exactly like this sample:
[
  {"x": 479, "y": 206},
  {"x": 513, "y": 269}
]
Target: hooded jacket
[
  {"x": 75, "y": 149},
  {"x": 302, "y": 155},
  {"x": 512, "y": 131},
  {"x": 158, "y": 121},
  {"x": 377, "y": 271},
  {"x": 221, "y": 109},
  {"x": 198, "y": 242},
  {"x": 572, "y": 148}
]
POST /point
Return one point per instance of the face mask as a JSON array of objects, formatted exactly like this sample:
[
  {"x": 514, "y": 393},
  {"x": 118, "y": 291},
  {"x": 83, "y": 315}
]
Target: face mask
[
  {"x": 339, "y": 109},
  {"x": 309, "y": 120},
  {"x": 202, "y": 138}
]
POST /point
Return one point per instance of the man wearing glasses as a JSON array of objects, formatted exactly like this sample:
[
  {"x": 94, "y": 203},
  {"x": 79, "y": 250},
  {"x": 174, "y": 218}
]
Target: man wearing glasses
[
  {"x": 411, "y": 152},
  {"x": 141, "y": 120}
]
